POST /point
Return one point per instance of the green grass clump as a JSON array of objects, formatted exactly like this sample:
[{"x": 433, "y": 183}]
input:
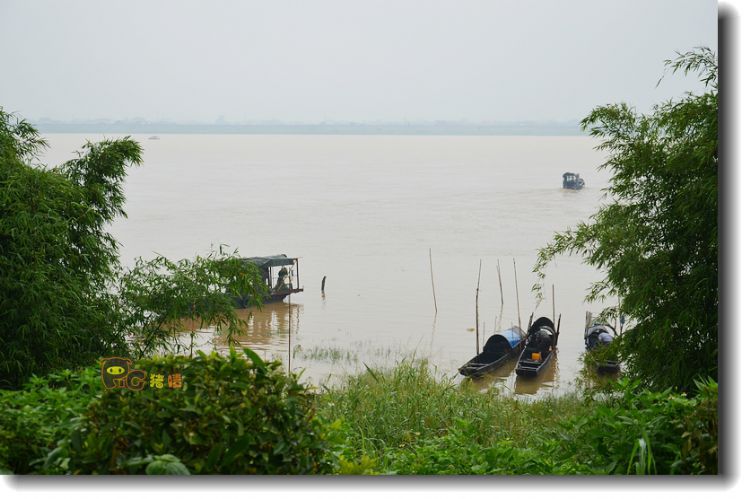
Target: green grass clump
[{"x": 328, "y": 354}]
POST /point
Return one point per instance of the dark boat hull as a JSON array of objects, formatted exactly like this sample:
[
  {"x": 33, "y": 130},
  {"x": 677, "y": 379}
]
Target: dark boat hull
[
  {"x": 542, "y": 340},
  {"x": 244, "y": 301},
  {"x": 609, "y": 366},
  {"x": 531, "y": 368},
  {"x": 478, "y": 366},
  {"x": 499, "y": 349}
]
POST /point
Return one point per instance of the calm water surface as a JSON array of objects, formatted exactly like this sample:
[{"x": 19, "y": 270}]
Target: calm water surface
[{"x": 364, "y": 211}]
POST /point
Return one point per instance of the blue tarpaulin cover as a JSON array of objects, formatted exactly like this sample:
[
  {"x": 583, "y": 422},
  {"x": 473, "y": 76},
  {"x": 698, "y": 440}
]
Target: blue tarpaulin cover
[
  {"x": 501, "y": 342},
  {"x": 513, "y": 336}
]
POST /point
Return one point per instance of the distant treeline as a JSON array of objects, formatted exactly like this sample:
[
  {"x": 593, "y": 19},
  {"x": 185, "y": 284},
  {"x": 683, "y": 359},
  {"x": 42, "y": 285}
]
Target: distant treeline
[{"x": 438, "y": 128}]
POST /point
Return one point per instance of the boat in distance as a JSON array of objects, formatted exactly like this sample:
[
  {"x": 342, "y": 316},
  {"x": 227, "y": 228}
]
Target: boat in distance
[
  {"x": 573, "y": 181},
  {"x": 498, "y": 350},
  {"x": 541, "y": 346}
]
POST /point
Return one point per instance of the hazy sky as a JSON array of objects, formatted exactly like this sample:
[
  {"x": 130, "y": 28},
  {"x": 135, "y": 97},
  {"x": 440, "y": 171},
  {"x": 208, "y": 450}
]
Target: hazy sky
[{"x": 364, "y": 60}]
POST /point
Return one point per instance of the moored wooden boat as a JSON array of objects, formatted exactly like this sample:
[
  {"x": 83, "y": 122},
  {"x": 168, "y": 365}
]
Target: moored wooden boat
[
  {"x": 541, "y": 346},
  {"x": 284, "y": 285},
  {"x": 596, "y": 336},
  {"x": 498, "y": 350}
]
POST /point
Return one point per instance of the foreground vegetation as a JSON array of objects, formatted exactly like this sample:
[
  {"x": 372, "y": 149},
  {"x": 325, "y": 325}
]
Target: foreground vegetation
[{"x": 238, "y": 414}]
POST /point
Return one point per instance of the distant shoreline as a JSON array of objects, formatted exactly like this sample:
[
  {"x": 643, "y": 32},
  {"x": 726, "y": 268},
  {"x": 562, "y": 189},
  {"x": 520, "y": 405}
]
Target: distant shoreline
[{"x": 513, "y": 129}]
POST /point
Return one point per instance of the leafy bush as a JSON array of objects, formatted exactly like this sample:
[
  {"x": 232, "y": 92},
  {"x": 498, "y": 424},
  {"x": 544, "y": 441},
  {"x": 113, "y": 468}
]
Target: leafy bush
[
  {"x": 230, "y": 416},
  {"x": 34, "y": 419},
  {"x": 642, "y": 431},
  {"x": 166, "y": 464}
]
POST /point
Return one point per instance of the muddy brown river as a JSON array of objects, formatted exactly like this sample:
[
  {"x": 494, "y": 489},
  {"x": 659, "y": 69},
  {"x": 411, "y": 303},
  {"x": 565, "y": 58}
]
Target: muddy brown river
[{"x": 365, "y": 211}]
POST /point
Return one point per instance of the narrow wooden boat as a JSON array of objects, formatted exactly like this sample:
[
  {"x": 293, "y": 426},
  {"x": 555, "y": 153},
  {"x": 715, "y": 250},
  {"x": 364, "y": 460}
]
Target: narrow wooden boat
[
  {"x": 541, "y": 346},
  {"x": 499, "y": 349},
  {"x": 598, "y": 335},
  {"x": 284, "y": 285}
]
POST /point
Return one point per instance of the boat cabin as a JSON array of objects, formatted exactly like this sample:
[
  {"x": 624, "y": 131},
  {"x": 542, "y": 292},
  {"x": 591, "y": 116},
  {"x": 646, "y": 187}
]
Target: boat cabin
[
  {"x": 572, "y": 181},
  {"x": 599, "y": 334},
  {"x": 280, "y": 273}
]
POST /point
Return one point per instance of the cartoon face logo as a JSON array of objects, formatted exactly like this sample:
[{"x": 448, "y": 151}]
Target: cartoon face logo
[{"x": 116, "y": 373}]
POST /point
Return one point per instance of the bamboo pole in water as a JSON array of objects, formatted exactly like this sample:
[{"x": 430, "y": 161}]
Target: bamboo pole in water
[
  {"x": 477, "y": 305},
  {"x": 289, "y": 366},
  {"x": 432, "y": 278},
  {"x": 518, "y": 301},
  {"x": 553, "y": 303},
  {"x": 500, "y": 280}
]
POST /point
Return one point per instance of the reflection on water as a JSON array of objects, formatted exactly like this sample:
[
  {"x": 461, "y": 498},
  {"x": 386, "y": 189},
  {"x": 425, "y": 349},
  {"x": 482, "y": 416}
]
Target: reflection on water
[
  {"x": 268, "y": 330},
  {"x": 547, "y": 379},
  {"x": 589, "y": 377},
  {"x": 506, "y": 381}
]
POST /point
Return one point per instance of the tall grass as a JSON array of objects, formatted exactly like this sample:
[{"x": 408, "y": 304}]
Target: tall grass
[
  {"x": 409, "y": 420},
  {"x": 385, "y": 415}
]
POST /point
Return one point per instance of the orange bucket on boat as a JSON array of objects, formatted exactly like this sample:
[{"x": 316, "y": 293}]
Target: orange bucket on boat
[{"x": 536, "y": 356}]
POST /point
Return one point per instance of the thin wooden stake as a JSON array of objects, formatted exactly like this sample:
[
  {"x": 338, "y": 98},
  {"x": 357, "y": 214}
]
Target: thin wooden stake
[
  {"x": 432, "y": 277},
  {"x": 289, "y": 366},
  {"x": 500, "y": 280},
  {"x": 323, "y": 285},
  {"x": 477, "y": 305},
  {"x": 553, "y": 303},
  {"x": 518, "y": 301}
]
